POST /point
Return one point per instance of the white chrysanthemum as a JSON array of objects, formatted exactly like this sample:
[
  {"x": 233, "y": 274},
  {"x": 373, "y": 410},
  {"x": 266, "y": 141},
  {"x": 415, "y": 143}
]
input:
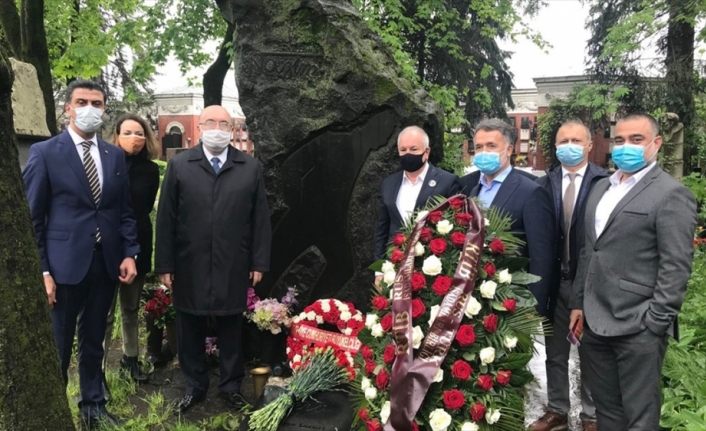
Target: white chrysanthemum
[
  {"x": 439, "y": 420},
  {"x": 492, "y": 416},
  {"x": 472, "y": 308},
  {"x": 433, "y": 312},
  {"x": 417, "y": 336},
  {"x": 504, "y": 276},
  {"x": 371, "y": 393},
  {"x": 365, "y": 383},
  {"x": 470, "y": 426},
  {"x": 385, "y": 412},
  {"x": 387, "y": 266},
  {"x": 421, "y": 215},
  {"x": 370, "y": 320},
  {"x": 377, "y": 331},
  {"x": 418, "y": 249},
  {"x": 444, "y": 227},
  {"x": 319, "y": 320},
  {"x": 345, "y": 316},
  {"x": 310, "y": 315},
  {"x": 439, "y": 376},
  {"x": 389, "y": 277},
  {"x": 432, "y": 266},
  {"x": 510, "y": 341},
  {"x": 487, "y": 289},
  {"x": 486, "y": 221},
  {"x": 296, "y": 358},
  {"x": 325, "y": 306},
  {"x": 487, "y": 355}
]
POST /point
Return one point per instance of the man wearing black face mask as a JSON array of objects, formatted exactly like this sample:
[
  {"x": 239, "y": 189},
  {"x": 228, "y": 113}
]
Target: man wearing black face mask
[{"x": 409, "y": 189}]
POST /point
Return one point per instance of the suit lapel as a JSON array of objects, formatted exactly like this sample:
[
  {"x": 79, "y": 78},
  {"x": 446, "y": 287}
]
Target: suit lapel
[
  {"x": 507, "y": 188},
  {"x": 592, "y": 204},
  {"x": 391, "y": 196},
  {"x": 72, "y": 158},
  {"x": 428, "y": 187},
  {"x": 634, "y": 191},
  {"x": 107, "y": 166},
  {"x": 555, "y": 178}
]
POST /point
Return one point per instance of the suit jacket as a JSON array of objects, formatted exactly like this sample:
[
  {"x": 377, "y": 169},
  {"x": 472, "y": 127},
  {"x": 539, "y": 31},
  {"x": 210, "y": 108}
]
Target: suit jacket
[
  {"x": 468, "y": 182},
  {"x": 65, "y": 216},
  {"x": 530, "y": 208},
  {"x": 633, "y": 276},
  {"x": 437, "y": 182},
  {"x": 212, "y": 230}
]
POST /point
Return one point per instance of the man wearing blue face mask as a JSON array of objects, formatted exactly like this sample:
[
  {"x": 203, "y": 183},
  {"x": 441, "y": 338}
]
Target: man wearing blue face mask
[
  {"x": 631, "y": 277},
  {"x": 568, "y": 184},
  {"x": 79, "y": 199},
  {"x": 518, "y": 196}
]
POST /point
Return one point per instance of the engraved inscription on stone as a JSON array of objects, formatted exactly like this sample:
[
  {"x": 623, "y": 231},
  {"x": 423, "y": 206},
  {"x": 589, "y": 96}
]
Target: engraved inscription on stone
[{"x": 285, "y": 65}]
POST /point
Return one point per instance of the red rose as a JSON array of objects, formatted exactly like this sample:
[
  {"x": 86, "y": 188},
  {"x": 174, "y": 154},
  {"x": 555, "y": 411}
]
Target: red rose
[
  {"x": 414, "y": 426},
  {"x": 379, "y": 302},
  {"x": 441, "y": 285},
  {"x": 497, "y": 246},
  {"x": 388, "y": 355},
  {"x": 461, "y": 370},
  {"x": 386, "y": 322},
  {"x": 435, "y": 216},
  {"x": 373, "y": 425},
  {"x": 419, "y": 282},
  {"x": 396, "y": 255},
  {"x": 485, "y": 382},
  {"x": 364, "y": 414},
  {"x": 466, "y": 335},
  {"x": 454, "y": 399},
  {"x": 503, "y": 377},
  {"x": 369, "y": 367},
  {"x": 489, "y": 269},
  {"x": 490, "y": 322},
  {"x": 366, "y": 352},
  {"x": 437, "y": 246},
  {"x": 399, "y": 239},
  {"x": 510, "y": 304},
  {"x": 383, "y": 378},
  {"x": 463, "y": 219},
  {"x": 477, "y": 412},
  {"x": 456, "y": 203},
  {"x": 426, "y": 234},
  {"x": 418, "y": 308},
  {"x": 458, "y": 239}
]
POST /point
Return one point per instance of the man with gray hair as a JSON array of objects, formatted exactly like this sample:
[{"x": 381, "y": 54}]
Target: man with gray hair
[
  {"x": 518, "y": 196},
  {"x": 409, "y": 189}
]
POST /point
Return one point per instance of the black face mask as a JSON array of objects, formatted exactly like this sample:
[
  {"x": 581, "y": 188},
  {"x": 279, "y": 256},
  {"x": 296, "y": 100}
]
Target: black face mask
[{"x": 412, "y": 162}]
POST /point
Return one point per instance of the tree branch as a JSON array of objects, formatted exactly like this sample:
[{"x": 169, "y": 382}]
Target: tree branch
[{"x": 216, "y": 73}]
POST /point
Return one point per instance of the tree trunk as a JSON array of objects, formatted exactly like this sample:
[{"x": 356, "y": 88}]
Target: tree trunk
[
  {"x": 32, "y": 395},
  {"x": 10, "y": 22},
  {"x": 216, "y": 73}
]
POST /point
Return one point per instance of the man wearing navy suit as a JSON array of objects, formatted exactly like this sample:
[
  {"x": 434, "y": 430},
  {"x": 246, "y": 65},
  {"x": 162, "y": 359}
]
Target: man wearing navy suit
[
  {"x": 518, "y": 196},
  {"x": 77, "y": 190},
  {"x": 409, "y": 189}
]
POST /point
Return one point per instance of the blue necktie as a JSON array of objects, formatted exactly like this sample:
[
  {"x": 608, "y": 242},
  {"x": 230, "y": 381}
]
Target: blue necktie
[{"x": 216, "y": 164}]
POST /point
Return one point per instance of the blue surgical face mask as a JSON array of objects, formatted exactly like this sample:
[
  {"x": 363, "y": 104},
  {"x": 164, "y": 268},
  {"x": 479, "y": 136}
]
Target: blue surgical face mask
[
  {"x": 488, "y": 162},
  {"x": 629, "y": 157},
  {"x": 88, "y": 118},
  {"x": 569, "y": 154}
]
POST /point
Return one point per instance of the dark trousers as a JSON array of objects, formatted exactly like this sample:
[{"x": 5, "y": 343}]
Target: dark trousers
[
  {"x": 624, "y": 375},
  {"x": 88, "y": 303},
  {"x": 191, "y": 336}
]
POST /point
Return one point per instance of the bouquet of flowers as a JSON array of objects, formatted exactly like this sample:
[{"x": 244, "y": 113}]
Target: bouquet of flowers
[
  {"x": 270, "y": 314},
  {"x": 481, "y": 371},
  {"x": 159, "y": 306}
]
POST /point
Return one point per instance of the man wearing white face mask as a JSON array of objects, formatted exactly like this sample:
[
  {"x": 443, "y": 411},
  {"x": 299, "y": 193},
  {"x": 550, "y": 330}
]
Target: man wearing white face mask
[
  {"x": 79, "y": 198},
  {"x": 213, "y": 241}
]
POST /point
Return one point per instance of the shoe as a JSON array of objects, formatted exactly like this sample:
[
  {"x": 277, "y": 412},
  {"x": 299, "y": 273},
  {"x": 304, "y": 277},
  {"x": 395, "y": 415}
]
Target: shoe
[
  {"x": 130, "y": 366},
  {"x": 234, "y": 399},
  {"x": 551, "y": 421},
  {"x": 187, "y": 402},
  {"x": 96, "y": 417},
  {"x": 587, "y": 425}
]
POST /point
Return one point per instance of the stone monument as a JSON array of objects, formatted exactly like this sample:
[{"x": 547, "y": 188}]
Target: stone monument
[
  {"x": 324, "y": 101},
  {"x": 28, "y": 108}
]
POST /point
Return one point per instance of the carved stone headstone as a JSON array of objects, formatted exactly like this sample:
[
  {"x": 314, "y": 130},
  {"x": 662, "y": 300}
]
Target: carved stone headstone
[
  {"x": 324, "y": 102},
  {"x": 28, "y": 108}
]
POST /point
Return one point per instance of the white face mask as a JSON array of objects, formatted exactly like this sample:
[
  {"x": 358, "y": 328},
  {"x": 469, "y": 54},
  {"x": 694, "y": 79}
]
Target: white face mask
[
  {"x": 88, "y": 118},
  {"x": 215, "y": 139}
]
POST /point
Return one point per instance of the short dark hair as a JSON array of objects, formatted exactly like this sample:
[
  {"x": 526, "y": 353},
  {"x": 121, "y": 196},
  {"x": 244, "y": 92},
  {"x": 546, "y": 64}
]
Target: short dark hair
[
  {"x": 643, "y": 116},
  {"x": 497, "y": 125},
  {"x": 84, "y": 83}
]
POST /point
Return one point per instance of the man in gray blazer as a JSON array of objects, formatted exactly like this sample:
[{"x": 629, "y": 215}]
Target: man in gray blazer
[{"x": 631, "y": 277}]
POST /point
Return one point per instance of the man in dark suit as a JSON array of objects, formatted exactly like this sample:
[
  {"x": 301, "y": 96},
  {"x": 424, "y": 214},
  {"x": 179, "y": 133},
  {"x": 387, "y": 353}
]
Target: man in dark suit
[
  {"x": 631, "y": 277},
  {"x": 518, "y": 196},
  {"x": 409, "y": 189},
  {"x": 78, "y": 194},
  {"x": 213, "y": 242},
  {"x": 568, "y": 184}
]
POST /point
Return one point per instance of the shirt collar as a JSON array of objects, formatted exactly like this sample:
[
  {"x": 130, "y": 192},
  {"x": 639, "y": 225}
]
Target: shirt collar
[
  {"x": 78, "y": 139},
  {"x": 499, "y": 178},
  {"x": 634, "y": 178},
  {"x": 209, "y": 155},
  {"x": 420, "y": 177},
  {"x": 580, "y": 173}
]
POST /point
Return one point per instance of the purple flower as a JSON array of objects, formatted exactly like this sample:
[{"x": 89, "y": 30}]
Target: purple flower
[{"x": 252, "y": 299}]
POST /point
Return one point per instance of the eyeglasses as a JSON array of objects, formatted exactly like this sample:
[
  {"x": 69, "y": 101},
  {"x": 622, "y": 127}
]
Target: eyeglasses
[{"x": 212, "y": 124}]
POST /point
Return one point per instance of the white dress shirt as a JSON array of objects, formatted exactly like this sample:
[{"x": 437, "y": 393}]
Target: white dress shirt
[
  {"x": 94, "y": 151},
  {"x": 614, "y": 194},
  {"x": 221, "y": 157},
  {"x": 409, "y": 192},
  {"x": 565, "y": 181}
]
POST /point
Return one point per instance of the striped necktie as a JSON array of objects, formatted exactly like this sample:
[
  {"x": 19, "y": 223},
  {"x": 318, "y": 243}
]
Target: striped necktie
[{"x": 89, "y": 165}]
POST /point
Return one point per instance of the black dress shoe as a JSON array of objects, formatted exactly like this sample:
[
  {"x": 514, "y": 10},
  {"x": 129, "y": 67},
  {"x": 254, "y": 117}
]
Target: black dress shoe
[
  {"x": 188, "y": 401},
  {"x": 96, "y": 417},
  {"x": 130, "y": 366},
  {"x": 234, "y": 399}
]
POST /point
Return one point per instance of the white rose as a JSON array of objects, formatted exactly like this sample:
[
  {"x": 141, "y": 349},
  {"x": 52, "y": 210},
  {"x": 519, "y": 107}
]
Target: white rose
[
  {"x": 504, "y": 276},
  {"x": 387, "y": 266},
  {"x": 486, "y": 221},
  {"x": 439, "y": 420},
  {"x": 431, "y": 266},
  {"x": 377, "y": 331},
  {"x": 444, "y": 227},
  {"x": 439, "y": 376},
  {"x": 348, "y": 331},
  {"x": 492, "y": 416},
  {"x": 389, "y": 277},
  {"x": 487, "y": 289},
  {"x": 385, "y": 412},
  {"x": 421, "y": 215},
  {"x": 417, "y": 336},
  {"x": 473, "y": 307},
  {"x": 365, "y": 383},
  {"x": 510, "y": 341},
  {"x": 325, "y": 306},
  {"x": 345, "y": 316},
  {"x": 418, "y": 249},
  {"x": 433, "y": 312},
  {"x": 469, "y": 426},
  {"x": 371, "y": 393},
  {"x": 487, "y": 355},
  {"x": 358, "y": 316},
  {"x": 370, "y": 320}
]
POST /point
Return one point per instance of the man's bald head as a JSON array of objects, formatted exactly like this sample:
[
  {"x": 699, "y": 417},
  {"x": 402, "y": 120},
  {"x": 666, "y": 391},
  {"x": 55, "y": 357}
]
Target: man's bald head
[{"x": 215, "y": 113}]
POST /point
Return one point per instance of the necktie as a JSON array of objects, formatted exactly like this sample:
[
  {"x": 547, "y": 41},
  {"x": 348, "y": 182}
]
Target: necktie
[
  {"x": 216, "y": 164},
  {"x": 89, "y": 165},
  {"x": 568, "y": 204}
]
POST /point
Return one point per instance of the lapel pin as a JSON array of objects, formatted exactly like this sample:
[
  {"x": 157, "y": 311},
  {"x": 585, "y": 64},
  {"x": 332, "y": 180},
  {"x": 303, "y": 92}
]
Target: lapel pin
[{"x": 432, "y": 183}]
